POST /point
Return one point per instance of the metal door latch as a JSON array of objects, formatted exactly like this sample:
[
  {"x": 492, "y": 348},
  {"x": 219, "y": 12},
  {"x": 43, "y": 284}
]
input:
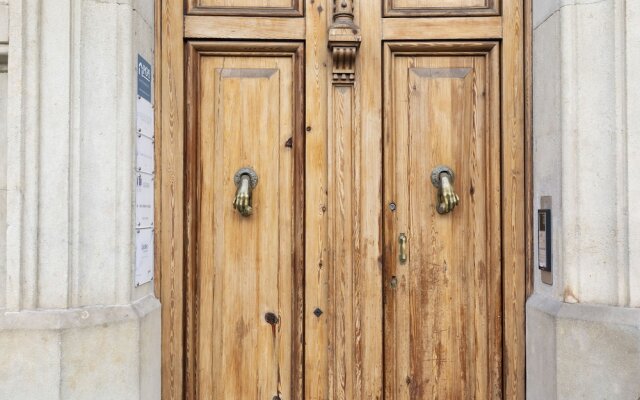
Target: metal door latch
[{"x": 402, "y": 240}]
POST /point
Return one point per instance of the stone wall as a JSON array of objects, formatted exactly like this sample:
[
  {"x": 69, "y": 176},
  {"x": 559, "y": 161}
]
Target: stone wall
[
  {"x": 72, "y": 324},
  {"x": 583, "y": 332},
  {"x": 4, "y": 46}
]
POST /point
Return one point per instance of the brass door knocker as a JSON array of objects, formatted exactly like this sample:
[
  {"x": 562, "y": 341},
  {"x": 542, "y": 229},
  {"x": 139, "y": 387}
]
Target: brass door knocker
[
  {"x": 442, "y": 178},
  {"x": 246, "y": 180}
]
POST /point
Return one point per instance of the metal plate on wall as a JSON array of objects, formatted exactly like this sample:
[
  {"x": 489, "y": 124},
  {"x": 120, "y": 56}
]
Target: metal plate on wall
[
  {"x": 144, "y": 154},
  {"x": 144, "y": 200},
  {"x": 144, "y": 256}
]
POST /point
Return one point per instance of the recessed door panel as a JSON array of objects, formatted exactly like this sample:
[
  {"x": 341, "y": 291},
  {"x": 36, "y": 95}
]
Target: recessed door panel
[
  {"x": 409, "y": 8},
  {"x": 289, "y": 8},
  {"x": 248, "y": 313},
  {"x": 442, "y": 288}
]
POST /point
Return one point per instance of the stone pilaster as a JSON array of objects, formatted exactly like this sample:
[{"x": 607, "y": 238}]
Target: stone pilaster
[
  {"x": 582, "y": 332},
  {"x": 584, "y": 133},
  {"x": 69, "y": 311}
]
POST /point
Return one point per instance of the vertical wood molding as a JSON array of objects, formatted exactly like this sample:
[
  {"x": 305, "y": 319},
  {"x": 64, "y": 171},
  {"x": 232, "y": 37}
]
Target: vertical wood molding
[
  {"x": 316, "y": 349},
  {"x": 344, "y": 211},
  {"x": 513, "y": 196},
  {"x": 366, "y": 266},
  {"x": 343, "y": 142},
  {"x": 169, "y": 177},
  {"x": 528, "y": 82}
]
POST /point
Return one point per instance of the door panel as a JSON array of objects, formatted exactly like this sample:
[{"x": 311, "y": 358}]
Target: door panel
[
  {"x": 247, "y": 266},
  {"x": 442, "y": 306},
  {"x": 289, "y": 8},
  {"x": 412, "y": 8}
]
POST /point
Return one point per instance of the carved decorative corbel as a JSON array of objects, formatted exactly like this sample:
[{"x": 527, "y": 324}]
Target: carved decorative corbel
[{"x": 344, "y": 40}]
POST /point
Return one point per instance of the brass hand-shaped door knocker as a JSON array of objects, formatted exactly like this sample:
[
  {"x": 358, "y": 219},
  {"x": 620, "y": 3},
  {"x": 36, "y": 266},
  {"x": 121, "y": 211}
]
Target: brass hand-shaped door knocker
[
  {"x": 442, "y": 178},
  {"x": 246, "y": 180}
]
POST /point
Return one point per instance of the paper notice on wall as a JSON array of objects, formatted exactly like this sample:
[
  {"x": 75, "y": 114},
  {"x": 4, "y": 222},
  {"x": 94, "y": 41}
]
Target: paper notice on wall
[{"x": 144, "y": 256}]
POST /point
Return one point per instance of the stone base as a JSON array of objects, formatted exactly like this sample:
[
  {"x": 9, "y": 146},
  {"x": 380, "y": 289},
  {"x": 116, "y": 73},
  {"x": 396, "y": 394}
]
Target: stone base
[
  {"x": 110, "y": 352},
  {"x": 579, "y": 351}
]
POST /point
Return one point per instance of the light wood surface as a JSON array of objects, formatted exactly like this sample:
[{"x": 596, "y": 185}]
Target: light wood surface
[
  {"x": 368, "y": 366},
  {"x": 245, "y": 7},
  {"x": 528, "y": 152},
  {"x": 443, "y": 306},
  {"x": 317, "y": 267},
  {"x": 441, "y": 28},
  {"x": 413, "y": 8},
  {"x": 344, "y": 334},
  {"x": 199, "y": 27},
  {"x": 170, "y": 213},
  {"x": 418, "y": 4},
  {"x": 513, "y": 198},
  {"x": 245, "y": 267},
  {"x": 246, "y": 3}
]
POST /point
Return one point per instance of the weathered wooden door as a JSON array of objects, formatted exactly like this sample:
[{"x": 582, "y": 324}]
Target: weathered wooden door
[
  {"x": 443, "y": 296},
  {"x": 352, "y": 218}
]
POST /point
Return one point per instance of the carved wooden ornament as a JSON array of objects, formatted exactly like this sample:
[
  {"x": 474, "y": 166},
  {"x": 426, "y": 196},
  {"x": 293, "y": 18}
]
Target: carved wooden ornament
[{"x": 344, "y": 40}]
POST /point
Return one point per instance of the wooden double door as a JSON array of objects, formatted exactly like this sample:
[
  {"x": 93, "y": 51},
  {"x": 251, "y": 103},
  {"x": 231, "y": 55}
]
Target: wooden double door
[{"x": 349, "y": 277}]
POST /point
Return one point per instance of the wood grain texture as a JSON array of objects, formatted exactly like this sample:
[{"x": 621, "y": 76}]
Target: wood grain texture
[
  {"x": 368, "y": 272},
  {"x": 344, "y": 238},
  {"x": 317, "y": 78},
  {"x": 342, "y": 356},
  {"x": 513, "y": 198},
  {"x": 456, "y": 28},
  {"x": 434, "y": 8},
  {"x": 528, "y": 152},
  {"x": 192, "y": 67},
  {"x": 171, "y": 227},
  {"x": 272, "y": 28},
  {"x": 247, "y": 8},
  {"x": 443, "y": 307},
  {"x": 244, "y": 113}
]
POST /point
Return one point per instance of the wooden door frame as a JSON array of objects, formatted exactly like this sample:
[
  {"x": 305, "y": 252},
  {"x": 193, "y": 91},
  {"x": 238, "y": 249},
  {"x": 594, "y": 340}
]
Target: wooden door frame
[{"x": 170, "y": 219}]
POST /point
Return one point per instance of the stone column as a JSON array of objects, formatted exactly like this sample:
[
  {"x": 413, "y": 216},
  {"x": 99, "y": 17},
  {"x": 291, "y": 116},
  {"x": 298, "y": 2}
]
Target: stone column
[
  {"x": 72, "y": 324},
  {"x": 583, "y": 332}
]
